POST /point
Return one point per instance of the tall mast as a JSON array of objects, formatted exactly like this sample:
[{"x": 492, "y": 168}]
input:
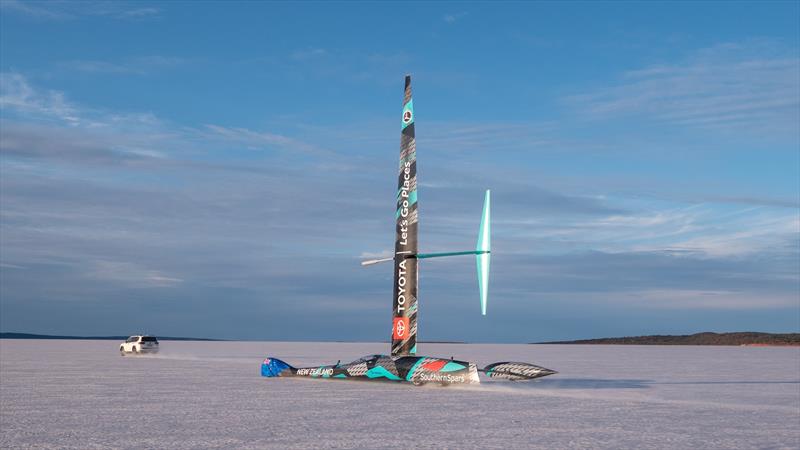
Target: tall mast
[{"x": 404, "y": 324}]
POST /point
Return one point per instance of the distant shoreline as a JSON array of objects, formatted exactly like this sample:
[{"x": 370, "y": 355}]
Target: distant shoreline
[
  {"x": 93, "y": 338},
  {"x": 744, "y": 339},
  {"x": 747, "y": 338},
  {"x": 5, "y": 335}
]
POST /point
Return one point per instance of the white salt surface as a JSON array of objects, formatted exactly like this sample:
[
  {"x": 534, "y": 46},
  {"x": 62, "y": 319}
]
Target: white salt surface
[{"x": 83, "y": 394}]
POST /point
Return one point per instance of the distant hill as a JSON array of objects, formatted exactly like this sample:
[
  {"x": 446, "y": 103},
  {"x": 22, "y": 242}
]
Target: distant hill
[
  {"x": 742, "y": 338},
  {"x": 93, "y": 338}
]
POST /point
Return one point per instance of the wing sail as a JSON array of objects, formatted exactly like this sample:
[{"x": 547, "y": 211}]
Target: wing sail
[{"x": 484, "y": 252}]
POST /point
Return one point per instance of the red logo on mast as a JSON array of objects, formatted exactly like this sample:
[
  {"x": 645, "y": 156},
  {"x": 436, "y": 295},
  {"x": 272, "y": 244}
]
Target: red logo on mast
[{"x": 400, "y": 328}]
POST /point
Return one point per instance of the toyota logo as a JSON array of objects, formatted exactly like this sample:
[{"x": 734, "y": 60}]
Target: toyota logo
[{"x": 400, "y": 330}]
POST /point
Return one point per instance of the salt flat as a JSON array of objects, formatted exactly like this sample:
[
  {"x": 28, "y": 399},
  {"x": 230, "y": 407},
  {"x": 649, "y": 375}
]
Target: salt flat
[{"x": 83, "y": 394}]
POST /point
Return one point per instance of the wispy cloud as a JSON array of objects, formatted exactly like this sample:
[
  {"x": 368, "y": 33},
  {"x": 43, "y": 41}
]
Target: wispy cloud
[
  {"x": 339, "y": 64},
  {"x": 75, "y": 145},
  {"x": 261, "y": 139},
  {"x": 130, "y": 274},
  {"x": 760, "y": 234},
  {"x": 757, "y": 201},
  {"x": 139, "y": 65},
  {"x": 140, "y": 12},
  {"x": 752, "y": 86},
  {"x": 698, "y": 230},
  {"x": 38, "y": 10},
  {"x": 72, "y": 10},
  {"x": 686, "y": 299},
  {"x": 44, "y": 124},
  {"x": 17, "y": 94},
  {"x": 710, "y": 299},
  {"x": 454, "y": 17},
  {"x": 506, "y": 136},
  {"x": 308, "y": 53}
]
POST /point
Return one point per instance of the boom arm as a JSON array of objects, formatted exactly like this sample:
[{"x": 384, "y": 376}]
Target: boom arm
[
  {"x": 439, "y": 255},
  {"x": 375, "y": 261}
]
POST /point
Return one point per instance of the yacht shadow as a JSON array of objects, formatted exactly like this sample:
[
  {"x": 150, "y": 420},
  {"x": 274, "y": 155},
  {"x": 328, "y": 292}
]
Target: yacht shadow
[
  {"x": 599, "y": 383},
  {"x": 729, "y": 382},
  {"x": 594, "y": 383}
]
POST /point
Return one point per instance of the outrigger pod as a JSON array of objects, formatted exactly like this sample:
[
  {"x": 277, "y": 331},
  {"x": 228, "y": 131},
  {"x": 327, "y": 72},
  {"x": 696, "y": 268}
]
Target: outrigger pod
[{"x": 403, "y": 364}]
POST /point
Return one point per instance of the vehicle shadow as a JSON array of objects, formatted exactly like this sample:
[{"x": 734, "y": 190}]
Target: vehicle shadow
[
  {"x": 728, "y": 382},
  {"x": 598, "y": 383},
  {"x": 594, "y": 383}
]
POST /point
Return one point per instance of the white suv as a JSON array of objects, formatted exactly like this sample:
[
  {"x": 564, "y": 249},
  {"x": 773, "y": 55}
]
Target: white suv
[{"x": 139, "y": 344}]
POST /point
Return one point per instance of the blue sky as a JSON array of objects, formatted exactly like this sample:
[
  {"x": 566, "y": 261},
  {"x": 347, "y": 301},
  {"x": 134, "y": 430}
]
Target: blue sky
[{"x": 219, "y": 169}]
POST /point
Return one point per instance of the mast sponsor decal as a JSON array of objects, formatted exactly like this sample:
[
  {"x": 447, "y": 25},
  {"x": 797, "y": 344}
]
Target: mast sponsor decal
[
  {"x": 408, "y": 114},
  {"x": 401, "y": 287},
  {"x": 403, "y": 203},
  {"x": 400, "y": 328}
]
